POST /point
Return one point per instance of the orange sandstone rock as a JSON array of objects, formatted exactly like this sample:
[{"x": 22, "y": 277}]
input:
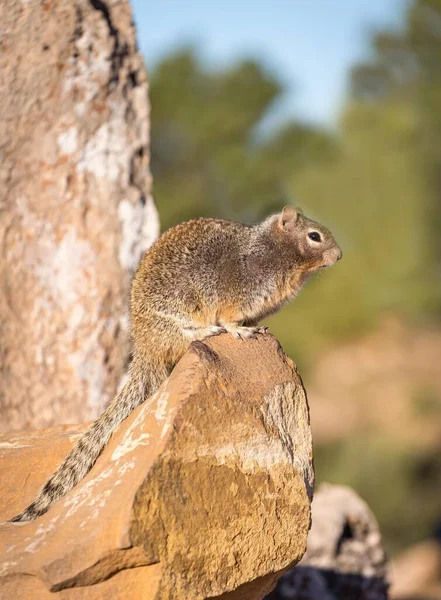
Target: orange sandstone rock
[{"x": 203, "y": 492}]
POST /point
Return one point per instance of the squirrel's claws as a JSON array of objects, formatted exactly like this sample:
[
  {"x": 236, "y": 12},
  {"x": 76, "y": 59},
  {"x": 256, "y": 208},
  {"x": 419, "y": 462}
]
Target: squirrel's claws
[{"x": 244, "y": 333}]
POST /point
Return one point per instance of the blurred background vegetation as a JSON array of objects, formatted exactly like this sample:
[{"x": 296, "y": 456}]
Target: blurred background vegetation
[{"x": 375, "y": 180}]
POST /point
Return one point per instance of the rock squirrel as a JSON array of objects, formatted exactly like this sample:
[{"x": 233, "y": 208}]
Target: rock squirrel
[{"x": 200, "y": 278}]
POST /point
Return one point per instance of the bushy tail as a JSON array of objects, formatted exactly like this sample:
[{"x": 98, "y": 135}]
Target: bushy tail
[{"x": 82, "y": 457}]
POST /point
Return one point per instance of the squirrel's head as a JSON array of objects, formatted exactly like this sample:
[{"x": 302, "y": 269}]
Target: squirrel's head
[{"x": 314, "y": 243}]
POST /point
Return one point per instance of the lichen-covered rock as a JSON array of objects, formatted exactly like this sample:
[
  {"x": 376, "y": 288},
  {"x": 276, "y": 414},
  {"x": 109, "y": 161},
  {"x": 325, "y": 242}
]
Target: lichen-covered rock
[
  {"x": 345, "y": 558},
  {"x": 75, "y": 205},
  {"x": 203, "y": 492}
]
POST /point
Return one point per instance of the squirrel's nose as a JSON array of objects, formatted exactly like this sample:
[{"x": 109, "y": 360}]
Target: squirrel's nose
[{"x": 340, "y": 254}]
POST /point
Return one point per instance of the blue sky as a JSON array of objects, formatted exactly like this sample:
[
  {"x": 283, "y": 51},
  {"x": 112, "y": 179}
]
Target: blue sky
[{"x": 310, "y": 44}]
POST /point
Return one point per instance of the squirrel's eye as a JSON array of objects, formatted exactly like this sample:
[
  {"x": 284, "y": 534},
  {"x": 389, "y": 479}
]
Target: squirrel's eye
[{"x": 314, "y": 236}]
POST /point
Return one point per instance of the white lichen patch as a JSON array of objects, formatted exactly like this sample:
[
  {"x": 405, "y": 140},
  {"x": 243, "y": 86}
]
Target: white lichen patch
[
  {"x": 99, "y": 500},
  {"x": 139, "y": 229},
  {"x": 96, "y": 503},
  {"x": 132, "y": 439},
  {"x": 64, "y": 267},
  {"x": 130, "y": 445},
  {"x": 77, "y": 316},
  {"x": 91, "y": 372},
  {"x": 68, "y": 140},
  {"x": 124, "y": 322},
  {"x": 122, "y": 470},
  {"x": 108, "y": 152},
  {"x": 7, "y": 565},
  {"x": 151, "y": 225},
  {"x": 161, "y": 411},
  {"x": 86, "y": 76},
  {"x": 82, "y": 494},
  {"x": 95, "y": 155},
  {"x": 259, "y": 452},
  {"x": 165, "y": 429},
  {"x": 14, "y": 445},
  {"x": 39, "y": 536}
]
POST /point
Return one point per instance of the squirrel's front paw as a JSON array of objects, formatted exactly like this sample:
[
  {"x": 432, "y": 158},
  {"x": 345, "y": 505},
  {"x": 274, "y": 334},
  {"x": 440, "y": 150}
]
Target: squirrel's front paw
[
  {"x": 210, "y": 331},
  {"x": 243, "y": 333},
  {"x": 201, "y": 333}
]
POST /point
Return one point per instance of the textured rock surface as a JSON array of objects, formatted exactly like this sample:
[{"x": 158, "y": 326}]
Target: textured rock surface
[
  {"x": 345, "y": 559},
  {"x": 75, "y": 205},
  {"x": 204, "y": 491}
]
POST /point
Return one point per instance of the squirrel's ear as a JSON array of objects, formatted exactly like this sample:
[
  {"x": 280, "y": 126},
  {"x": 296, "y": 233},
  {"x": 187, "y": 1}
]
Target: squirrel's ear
[
  {"x": 288, "y": 215},
  {"x": 299, "y": 210}
]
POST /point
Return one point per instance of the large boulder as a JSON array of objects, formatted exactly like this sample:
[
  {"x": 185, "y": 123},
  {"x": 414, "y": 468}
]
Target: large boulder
[
  {"x": 203, "y": 492},
  {"x": 75, "y": 205}
]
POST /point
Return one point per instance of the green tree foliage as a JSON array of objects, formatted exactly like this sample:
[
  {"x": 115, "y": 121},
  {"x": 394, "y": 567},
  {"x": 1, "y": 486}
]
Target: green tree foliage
[
  {"x": 407, "y": 66},
  {"x": 207, "y": 158},
  {"x": 201, "y": 129}
]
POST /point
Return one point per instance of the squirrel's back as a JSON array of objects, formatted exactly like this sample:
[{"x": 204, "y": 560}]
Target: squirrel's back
[
  {"x": 190, "y": 247},
  {"x": 189, "y": 265}
]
